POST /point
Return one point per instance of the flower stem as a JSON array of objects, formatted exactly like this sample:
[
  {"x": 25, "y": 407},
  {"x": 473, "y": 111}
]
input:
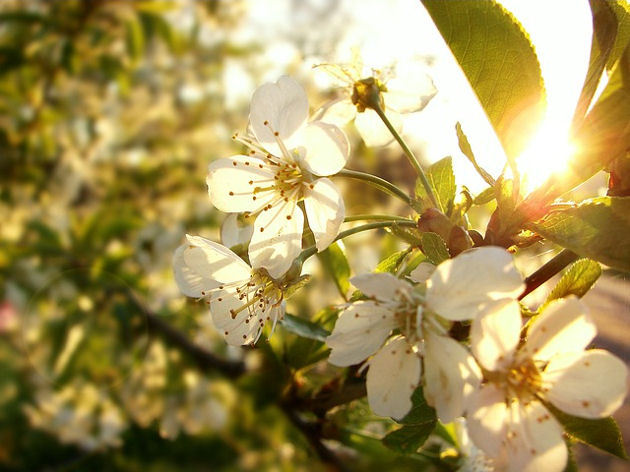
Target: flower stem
[
  {"x": 409, "y": 153},
  {"x": 308, "y": 252},
  {"x": 377, "y": 182},
  {"x": 374, "y": 217}
]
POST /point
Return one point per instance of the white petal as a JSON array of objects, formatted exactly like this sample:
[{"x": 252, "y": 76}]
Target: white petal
[
  {"x": 325, "y": 211},
  {"x": 277, "y": 240},
  {"x": 284, "y": 105},
  {"x": 410, "y": 90},
  {"x": 235, "y": 231},
  {"x": 190, "y": 282},
  {"x": 373, "y": 131},
  {"x": 325, "y": 148},
  {"x": 381, "y": 285},
  {"x": 229, "y": 183},
  {"x": 236, "y": 331},
  {"x": 360, "y": 330},
  {"x": 487, "y": 419},
  {"x": 495, "y": 334},
  {"x": 422, "y": 273},
  {"x": 591, "y": 384},
  {"x": 459, "y": 286},
  {"x": 564, "y": 326},
  {"x": 202, "y": 265},
  {"x": 339, "y": 112},
  {"x": 534, "y": 439},
  {"x": 392, "y": 378},
  {"x": 450, "y": 375}
]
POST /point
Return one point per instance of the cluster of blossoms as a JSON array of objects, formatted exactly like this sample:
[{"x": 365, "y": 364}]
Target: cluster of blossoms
[{"x": 501, "y": 379}]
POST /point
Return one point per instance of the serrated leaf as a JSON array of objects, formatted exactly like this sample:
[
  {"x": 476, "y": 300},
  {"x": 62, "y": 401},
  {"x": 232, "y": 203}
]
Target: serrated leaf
[
  {"x": 419, "y": 423},
  {"x": 601, "y": 433},
  {"x": 391, "y": 262},
  {"x": 500, "y": 63},
  {"x": 304, "y": 328},
  {"x": 464, "y": 146},
  {"x": 434, "y": 247},
  {"x": 577, "y": 280},
  {"x": 597, "y": 229},
  {"x": 336, "y": 264},
  {"x": 409, "y": 235},
  {"x": 442, "y": 180}
]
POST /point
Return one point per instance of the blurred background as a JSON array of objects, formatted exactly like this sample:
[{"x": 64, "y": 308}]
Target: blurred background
[{"x": 110, "y": 112}]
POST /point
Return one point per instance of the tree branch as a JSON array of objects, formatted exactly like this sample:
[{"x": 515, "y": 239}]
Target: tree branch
[{"x": 551, "y": 268}]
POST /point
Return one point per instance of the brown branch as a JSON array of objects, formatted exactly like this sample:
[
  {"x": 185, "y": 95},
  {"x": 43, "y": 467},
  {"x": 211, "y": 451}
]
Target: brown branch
[{"x": 551, "y": 268}]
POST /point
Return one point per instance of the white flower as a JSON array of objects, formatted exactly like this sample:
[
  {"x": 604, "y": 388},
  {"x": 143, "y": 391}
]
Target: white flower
[
  {"x": 235, "y": 231},
  {"x": 405, "y": 88},
  {"x": 506, "y": 415},
  {"x": 458, "y": 289},
  {"x": 287, "y": 157},
  {"x": 241, "y": 299}
]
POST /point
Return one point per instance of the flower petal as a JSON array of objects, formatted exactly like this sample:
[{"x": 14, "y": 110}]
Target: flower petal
[
  {"x": 422, "y": 273},
  {"x": 459, "y": 286},
  {"x": 381, "y": 285},
  {"x": 495, "y": 334},
  {"x": 590, "y": 384},
  {"x": 534, "y": 439},
  {"x": 229, "y": 184},
  {"x": 410, "y": 90},
  {"x": 213, "y": 261},
  {"x": 234, "y": 231},
  {"x": 338, "y": 112},
  {"x": 325, "y": 148},
  {"x": 564, "y": 326},
  {"x": 325, "y": 211},
  {"x": 373, "y": 131},
  {"x": 238, "y": 330},
  {"x": 450, "y": 375},
  {"x": 277, "y": 238},
  {"x": 284, "y": 105},
  {"x": 393, "y": 376},
  {"x": 487, "y": 418},
  {"x": 190, "y": 282},
  {"x": 360, "y": 330}
]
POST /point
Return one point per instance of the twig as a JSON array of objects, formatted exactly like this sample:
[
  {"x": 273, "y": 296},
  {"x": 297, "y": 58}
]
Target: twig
[{"x": 551, "y": 268}]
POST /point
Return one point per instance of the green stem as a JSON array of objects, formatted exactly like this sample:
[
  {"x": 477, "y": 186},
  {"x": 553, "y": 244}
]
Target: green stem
[
  {"x": 374, "y": 217},
  {"x": 377, "y": 182},
  {"x": 308, "y": 252},
  {"x": 409, "y": 153}
]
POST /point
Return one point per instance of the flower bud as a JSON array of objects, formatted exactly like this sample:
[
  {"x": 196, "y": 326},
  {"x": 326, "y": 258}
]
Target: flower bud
[{"x": 366, "y": 93}]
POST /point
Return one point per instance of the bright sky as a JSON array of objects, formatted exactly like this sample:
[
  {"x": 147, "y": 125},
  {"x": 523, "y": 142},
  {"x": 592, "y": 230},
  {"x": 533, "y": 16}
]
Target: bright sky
[{"x": 399, "y": 30}]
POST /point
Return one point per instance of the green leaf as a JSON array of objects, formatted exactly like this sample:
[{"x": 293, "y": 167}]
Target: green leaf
[
  {"x": 601, "y": 433},
  {"x": 336, "y": 264},
  {"x": 464, "y": 146},
  {"x": 500, "y": 63},
  {"x": 486, "y": 196},
  {"x": 304, "y": 328},
  {"x": 597, "y": 229},
  {"x": 434, "y": 247},
  {"x": 419, "y": 423},
  {"x": 134, "y": 38},
  {"x": 577, "y": 280},
  {"x": 442, "y": 180},
  {"x": 392, "y": 262}
]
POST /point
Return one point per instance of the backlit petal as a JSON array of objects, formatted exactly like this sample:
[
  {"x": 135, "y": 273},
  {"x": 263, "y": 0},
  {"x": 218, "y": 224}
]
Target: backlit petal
[
  {"x": 393, "y": 376},
  {"x": 190, "y": 282},
  {"x": 459, "y": 286},
  {"x": 237, "y": 329},
  {"x": 229, "y": 184},
  {"x": 422, "y": 273},
  {"x": 410, "y": 90},
  {"x": 373, "y": 131},
  {"x": 450, "y": 374},
  {"x": 339, "y": 112},
  {"x": 214, "y": 261},
  {"x": 284, "y": 105},
  {"x": 360, "y": 330},
  {"x": 564, "y": 326},
  {"x": 487, "y": 419},
  {"x": 495, "y": 334},
  {"x": 325, "y": 211},
  {"x": 277, "y": 238},
  {"x": 381, "y": 285},
  {"x": 590, "y": 384},
  {"x": 236, "y": 230},
  {"x": 325, "y": 148}
]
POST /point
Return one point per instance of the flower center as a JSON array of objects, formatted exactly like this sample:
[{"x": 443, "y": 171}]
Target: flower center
[
  {"x": 524, "y": 379},
  {"x": 366, "y": 93}
]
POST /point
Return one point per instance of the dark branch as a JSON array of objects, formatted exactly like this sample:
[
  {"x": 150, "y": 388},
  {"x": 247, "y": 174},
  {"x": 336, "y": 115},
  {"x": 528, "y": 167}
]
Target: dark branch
[{"x": 551, "y": 268}]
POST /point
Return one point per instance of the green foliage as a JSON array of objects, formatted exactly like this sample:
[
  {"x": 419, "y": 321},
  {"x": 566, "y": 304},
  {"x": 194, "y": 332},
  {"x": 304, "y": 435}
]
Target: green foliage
[
  {"x": 336, "y": 264},
  {"x": 576, "y": 280},
  {"x": 597, "y": 229},
  {"x": 392, "y": 262},
  {"x": 442, "y": 180},
  {"x": 466, "y": 149},
  {"x": 500, "y": 63},
  {"x": 602, "y": 433},
  {"x": 434, "y": 247},
  {"x": 419, "y": 423},
  {"x": 304, "y": 328}
]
